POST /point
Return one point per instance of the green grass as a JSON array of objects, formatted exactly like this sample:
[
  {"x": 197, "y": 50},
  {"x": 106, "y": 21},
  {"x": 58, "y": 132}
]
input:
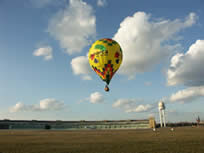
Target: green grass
[{"x": 182, "y": 140}]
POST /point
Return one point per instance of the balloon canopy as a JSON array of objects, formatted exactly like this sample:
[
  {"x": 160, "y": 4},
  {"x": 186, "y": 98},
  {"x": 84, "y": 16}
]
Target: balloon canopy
[{"x": 105, "y": 58}]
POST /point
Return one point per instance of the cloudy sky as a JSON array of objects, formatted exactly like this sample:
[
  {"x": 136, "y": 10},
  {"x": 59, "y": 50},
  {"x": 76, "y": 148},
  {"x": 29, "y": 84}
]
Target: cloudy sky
[{"x": 45, "y": 73}]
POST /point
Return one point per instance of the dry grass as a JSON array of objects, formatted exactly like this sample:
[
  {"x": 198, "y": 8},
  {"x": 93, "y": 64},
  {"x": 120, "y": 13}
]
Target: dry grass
[{"x": 182, "y": 140}]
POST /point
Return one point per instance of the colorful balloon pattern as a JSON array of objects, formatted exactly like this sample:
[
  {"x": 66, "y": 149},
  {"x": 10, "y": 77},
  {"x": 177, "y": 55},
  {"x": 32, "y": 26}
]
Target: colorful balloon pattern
[{"x": 105, "y": 58}]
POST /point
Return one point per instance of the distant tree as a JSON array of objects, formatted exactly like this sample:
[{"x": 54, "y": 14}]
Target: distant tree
[
  {"x": 198, "y": 120},
  {"x": 47, "y": 127}
]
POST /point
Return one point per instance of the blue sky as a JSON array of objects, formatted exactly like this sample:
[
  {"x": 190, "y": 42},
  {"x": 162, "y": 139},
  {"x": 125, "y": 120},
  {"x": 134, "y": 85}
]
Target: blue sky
[{"x": 45, "y": 73}]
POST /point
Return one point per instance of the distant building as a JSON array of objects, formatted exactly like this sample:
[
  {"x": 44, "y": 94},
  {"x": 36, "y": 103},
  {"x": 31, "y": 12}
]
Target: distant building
[{"x": 72, "y": 125}]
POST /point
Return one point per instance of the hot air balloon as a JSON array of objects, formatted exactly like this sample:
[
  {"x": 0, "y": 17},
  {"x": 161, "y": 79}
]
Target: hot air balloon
[{"x": 105, "y": 58}]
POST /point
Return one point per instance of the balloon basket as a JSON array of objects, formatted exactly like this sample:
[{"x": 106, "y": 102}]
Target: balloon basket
[{"x": 106, "y": 88}]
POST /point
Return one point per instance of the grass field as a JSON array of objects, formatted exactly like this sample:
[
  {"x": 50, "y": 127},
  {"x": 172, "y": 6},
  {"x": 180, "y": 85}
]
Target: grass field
[{"x": 182, "y": 140}]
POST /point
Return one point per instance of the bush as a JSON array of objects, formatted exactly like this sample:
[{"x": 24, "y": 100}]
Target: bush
[{"x": 47, "y": 127}]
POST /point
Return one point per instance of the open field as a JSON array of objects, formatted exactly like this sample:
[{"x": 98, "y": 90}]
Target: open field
[{"x": 182, "y": 140}]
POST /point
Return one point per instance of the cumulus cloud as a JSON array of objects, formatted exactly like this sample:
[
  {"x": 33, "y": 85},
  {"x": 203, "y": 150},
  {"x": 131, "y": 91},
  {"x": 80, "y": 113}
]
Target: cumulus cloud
[
  {"x": 94, "y": 98},
  {"x": 74, "y": 27},
  {"x": 80, "y": 66},
  {"x": 19, "y": 107},
  {"x": 187, "y": 95},
  {"x": 101, "y": 3},
  {"x": 132, "y": 105},
  {"x": 44, "y": 105},
  {"x": 146, "y": 42},
  {"x": 140, "y": 108},
  {"x": 187, "y": 68},
  {"x": 46, "y": 52},
  {"x": 51, "y": 104}
]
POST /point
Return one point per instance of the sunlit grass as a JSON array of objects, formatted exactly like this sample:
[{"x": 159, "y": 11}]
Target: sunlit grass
[{"x": 182, "y": 140}]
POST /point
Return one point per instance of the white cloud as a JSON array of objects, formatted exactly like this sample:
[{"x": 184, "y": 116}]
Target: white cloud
[
  {"x": 146, "y": 43},
  {"x": 46, "y": 52},
  {"x": 51, "y": 104},
  {"x": 187, "y": 69},
  {"x": 80, "y": 66},
  {"x": 94, "y": 98},
  {"x": 187, "y": 95},
  {"x": 131, "y": 105},
  {"x": 124, "y": 103},
  {"x": 74, "y": 27},
  {"x": 101, "y": 3},
  {"x": 18, "y": 107},
  {"x": 140, "y": 108},
  {"x": 44, "y": 105}
]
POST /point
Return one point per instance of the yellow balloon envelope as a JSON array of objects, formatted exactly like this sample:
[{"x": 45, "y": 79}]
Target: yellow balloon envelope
[{"x": 105, "y": 58}]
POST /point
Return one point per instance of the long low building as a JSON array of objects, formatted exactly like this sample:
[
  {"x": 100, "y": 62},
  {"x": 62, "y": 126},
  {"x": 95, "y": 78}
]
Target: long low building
[{"x": 71, "y": 125}]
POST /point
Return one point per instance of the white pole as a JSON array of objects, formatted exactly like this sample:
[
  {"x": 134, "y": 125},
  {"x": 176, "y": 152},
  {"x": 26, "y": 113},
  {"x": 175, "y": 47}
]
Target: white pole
[
  {"x": 160, "y": 115},
  {"x": 164, "y": 120}
]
